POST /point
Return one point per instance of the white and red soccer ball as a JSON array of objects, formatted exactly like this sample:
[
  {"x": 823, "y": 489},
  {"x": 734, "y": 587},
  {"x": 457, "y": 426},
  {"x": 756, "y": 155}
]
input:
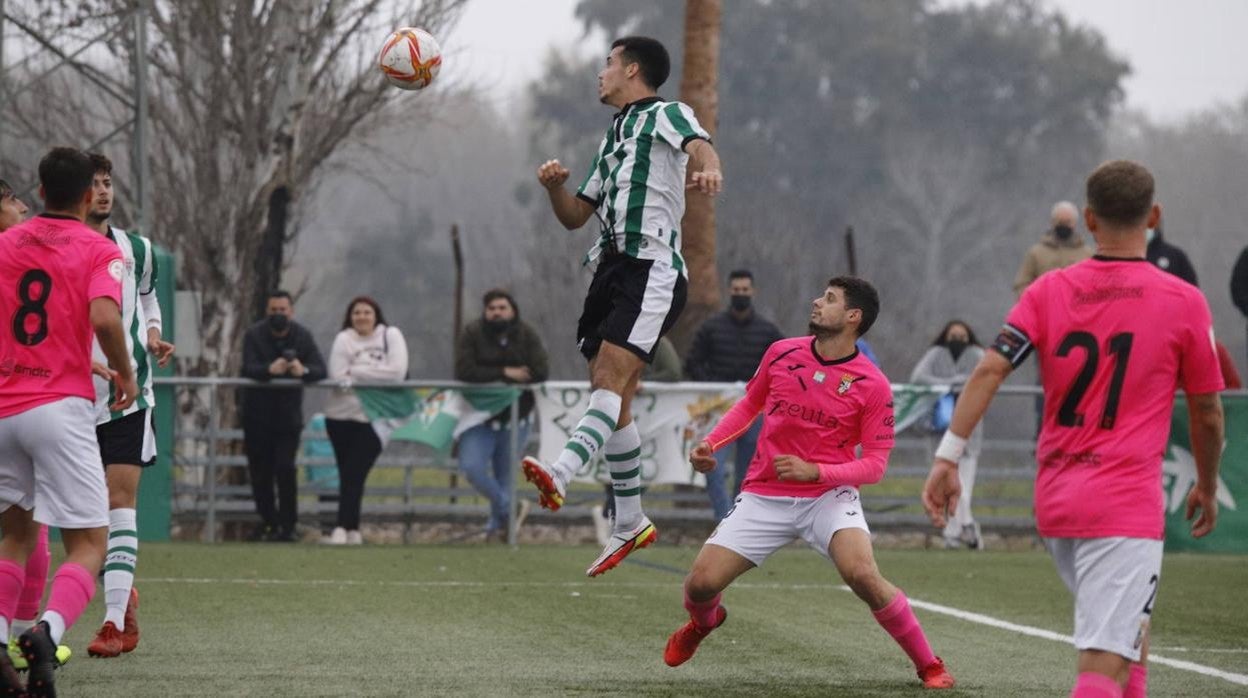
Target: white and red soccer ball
[{"x": 410, "y": 58}]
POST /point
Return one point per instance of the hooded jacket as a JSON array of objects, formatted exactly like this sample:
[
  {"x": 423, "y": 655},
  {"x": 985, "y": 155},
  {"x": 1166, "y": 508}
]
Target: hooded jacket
[
  {"x": 1049, "y": 254},
  {"x": 481, "y": 355}
]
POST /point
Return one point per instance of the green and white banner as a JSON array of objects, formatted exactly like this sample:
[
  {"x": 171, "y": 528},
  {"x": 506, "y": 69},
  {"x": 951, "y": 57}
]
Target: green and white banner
[
  {"x": 671, "y": 422},
  {"x": 432, "y": 417},
  {"x": 675, "y": 418},
  {"x": 1179, "y": 476}
]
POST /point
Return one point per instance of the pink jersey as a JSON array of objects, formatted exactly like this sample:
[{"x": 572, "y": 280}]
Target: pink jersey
[
  {"x": 51, "y": 268},
  {"x": 1115, "y": 339},
  {"x": 817, "y": 410}
]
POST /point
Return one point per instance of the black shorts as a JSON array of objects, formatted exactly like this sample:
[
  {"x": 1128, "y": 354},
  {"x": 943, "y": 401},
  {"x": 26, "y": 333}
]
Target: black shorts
[
  {"x": 631, "y": 303},
  {"x": 127, "y": 440}
]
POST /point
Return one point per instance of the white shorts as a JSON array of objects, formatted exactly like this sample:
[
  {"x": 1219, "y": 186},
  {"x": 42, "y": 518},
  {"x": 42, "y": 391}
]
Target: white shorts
[
  {"x": 50, "y": 462},
  {"x": 758, "y": 526},
  {"x": 1114, "y": 581}
]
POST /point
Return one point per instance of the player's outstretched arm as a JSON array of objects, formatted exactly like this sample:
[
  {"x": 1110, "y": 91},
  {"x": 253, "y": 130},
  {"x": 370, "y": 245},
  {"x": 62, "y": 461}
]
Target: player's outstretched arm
[
  {"x": 571, "y": 211},
  {"x": 1207, "y": 429},
  {"x": 943, "y": 487},
  {"x": 106, "y": 320},
  {"x": 706, "y": 177}
]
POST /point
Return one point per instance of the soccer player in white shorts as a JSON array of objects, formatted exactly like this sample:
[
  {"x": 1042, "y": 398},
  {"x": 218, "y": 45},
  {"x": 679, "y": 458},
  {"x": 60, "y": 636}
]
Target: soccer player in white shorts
[
  {"x": 636, "y": 189},
  {"x": 1115, "y": 337},
  {"x": 58, "y": 281},
  {"x": 820, "y": 399}
]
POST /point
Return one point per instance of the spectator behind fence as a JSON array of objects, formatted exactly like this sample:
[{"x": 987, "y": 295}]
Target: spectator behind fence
[
  {"x": 665, "y": 369},
  {"x": 727, "y": 348},
  {"x": 1239, "y": 283},
  {"x": 366, "y": 350},
  {"x": 496, "y": 347},
  {"x": 276, "y": 347},
  {"x": 1060, "y": 247},
  {"x": 949, "y": 361},
  {"x": 1167, "y": 256}
]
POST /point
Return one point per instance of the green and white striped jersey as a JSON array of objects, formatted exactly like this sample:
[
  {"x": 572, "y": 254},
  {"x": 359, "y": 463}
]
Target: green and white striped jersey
[
  {"x": 637, "y": 181},
  {"x": 139, "y": 311}
]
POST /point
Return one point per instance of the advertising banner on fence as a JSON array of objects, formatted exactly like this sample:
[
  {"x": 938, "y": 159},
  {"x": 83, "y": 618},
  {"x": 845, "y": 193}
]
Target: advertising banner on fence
[
  {"x": 1179, "y": 476},
  {"x": 671, "y": 422}
]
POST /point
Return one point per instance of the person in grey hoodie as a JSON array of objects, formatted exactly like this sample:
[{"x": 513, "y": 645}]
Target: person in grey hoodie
[{"x": 949, "y": 361}]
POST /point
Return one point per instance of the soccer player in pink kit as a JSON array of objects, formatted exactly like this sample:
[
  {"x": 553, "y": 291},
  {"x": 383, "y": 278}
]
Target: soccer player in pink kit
[
  {"x": 1115, "y": 338},
  {"x": 12, "y": 212},
  {"x": 819, "y": 399},
  {"x": 59, "y": 280}
]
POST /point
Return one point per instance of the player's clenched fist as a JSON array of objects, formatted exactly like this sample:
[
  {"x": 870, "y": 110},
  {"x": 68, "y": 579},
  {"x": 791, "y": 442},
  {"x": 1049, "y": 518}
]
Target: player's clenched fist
[
  {"x": 551, "y": 174},
  {"x": 701, "y": 458},
  {"x": 795, "y": 469}
]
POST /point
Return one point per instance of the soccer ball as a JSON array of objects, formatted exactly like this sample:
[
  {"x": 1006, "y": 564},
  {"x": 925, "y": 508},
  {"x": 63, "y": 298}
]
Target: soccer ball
[{"x": 410, "y": 58}]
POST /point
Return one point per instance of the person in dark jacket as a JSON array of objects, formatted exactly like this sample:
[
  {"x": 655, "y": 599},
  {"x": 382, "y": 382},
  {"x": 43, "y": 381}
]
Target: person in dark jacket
[
  {"x": 1168, "y": 257},
  {"x": 1239, "y": 283},
  {"x": 276, "y": 347},
  {"x": 498, "y": 347},
  {"x": 727, "y": 348}
]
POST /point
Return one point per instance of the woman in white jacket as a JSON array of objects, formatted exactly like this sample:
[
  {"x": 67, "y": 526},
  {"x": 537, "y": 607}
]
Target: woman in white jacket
[
  {"x": 949, "y": 361},
  {"x": 366, "y": 350}
]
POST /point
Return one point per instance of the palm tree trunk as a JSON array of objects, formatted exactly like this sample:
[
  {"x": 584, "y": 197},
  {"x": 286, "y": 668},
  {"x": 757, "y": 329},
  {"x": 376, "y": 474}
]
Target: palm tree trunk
[{"x": 699, "y": 88}]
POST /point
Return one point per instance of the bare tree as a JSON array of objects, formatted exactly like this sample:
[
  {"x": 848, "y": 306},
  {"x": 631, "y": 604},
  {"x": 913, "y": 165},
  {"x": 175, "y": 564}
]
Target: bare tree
[{"x": 248, "y": 102}]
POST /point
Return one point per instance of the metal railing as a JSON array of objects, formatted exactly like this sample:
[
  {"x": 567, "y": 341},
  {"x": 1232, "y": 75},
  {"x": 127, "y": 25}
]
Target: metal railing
[{"x": 199, "y": 458}]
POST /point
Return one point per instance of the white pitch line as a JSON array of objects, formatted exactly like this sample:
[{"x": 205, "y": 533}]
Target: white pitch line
[
  {"x": 1240, "y": 679},
  {"x": 1203, "y": 650},
  {"x": 982, "y": 619}
]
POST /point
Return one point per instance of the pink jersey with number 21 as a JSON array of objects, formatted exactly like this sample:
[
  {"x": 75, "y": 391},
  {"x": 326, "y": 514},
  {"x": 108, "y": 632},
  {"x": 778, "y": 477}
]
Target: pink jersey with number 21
[{"x": 1115, "y": 338}]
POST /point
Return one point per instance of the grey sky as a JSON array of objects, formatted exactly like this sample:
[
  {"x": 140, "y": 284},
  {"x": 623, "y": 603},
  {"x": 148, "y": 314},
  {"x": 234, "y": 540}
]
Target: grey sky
[{"x": 1187, "y": 55}]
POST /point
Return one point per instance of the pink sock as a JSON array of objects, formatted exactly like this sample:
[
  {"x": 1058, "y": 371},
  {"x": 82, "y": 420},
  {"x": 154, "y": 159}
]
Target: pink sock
[
  {"x": 72, "y": 589},
  {"x": 898, "y": 619},
  {"x": 1093, "y": 685},
  {"x": 704, "y": 614},
  {"x": 1137, "y": 683},
  {"x": 12, "y": 576},
  {"x": 36, "y": 578}
]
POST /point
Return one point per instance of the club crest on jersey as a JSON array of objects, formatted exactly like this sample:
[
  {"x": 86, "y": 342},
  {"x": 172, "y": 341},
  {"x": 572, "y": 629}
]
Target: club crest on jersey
[
  {"x": 819, "y": 376},
  {"x": 847, "y": 381}
]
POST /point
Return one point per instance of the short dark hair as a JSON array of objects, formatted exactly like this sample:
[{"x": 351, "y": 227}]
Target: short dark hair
[
  {"x": 649, "y": 54},
  {"x": 65, "y": 174},
  {"x": 970, "y": 333},
  {"x": 496, "y": 293},
  {"x": 740, "y": 274},
  {"x": 366, "y": 300},
  {"x": 280, "y": 293},
  {"x": 859, "y": 295},
  {"x": 102, "y": 164},
  {"x": 1120, "y": 192}
]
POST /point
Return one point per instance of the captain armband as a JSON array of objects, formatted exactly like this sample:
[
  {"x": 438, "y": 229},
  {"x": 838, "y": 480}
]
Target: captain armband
[{"x": 1013, "y": 344}]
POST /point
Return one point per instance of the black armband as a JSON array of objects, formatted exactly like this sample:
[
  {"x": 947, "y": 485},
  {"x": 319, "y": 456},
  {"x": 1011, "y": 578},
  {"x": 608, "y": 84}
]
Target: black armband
[{"x": 1013, "y": 344}]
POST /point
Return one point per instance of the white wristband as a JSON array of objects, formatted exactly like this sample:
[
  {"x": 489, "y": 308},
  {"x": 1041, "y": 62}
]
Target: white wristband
[{"x": 951, "y": 447}]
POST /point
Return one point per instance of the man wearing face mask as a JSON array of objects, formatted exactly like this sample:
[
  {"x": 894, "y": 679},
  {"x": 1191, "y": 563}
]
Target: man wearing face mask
[
  {"x": 1168, "y": 257},
  {"x": 498, "y": 347},
  {"x": 727, "y": 348},
  {"x": 276, "y": 347},
  {"x": 1060, "y": 247}
]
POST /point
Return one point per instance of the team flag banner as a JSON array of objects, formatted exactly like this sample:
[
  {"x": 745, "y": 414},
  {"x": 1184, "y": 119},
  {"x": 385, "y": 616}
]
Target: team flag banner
[
  {"x": 671, "y": 423},
  {"x": 432, "y": 417},
  {"x": 674, "y": 420},
  {"x": 1179, "y": 477}
]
